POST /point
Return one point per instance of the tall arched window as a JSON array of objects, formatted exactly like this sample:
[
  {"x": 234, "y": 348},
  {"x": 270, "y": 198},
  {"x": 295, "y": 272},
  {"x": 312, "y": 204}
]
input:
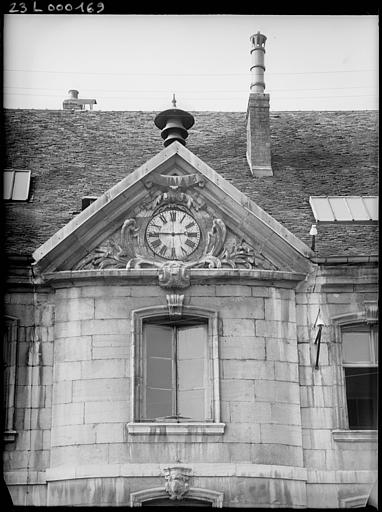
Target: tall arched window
[
  {"x": 175, "y": 370},
  {"x": 175, "y": 378}
]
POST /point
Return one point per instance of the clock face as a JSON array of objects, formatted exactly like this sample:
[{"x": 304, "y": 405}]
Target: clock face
[{"x": 173, "y": 234}]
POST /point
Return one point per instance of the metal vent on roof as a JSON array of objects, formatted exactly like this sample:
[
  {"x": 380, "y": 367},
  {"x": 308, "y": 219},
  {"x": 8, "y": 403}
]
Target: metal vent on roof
[
  {"x": 16, "y": 185},
  {"x": 345, "y": 209}
]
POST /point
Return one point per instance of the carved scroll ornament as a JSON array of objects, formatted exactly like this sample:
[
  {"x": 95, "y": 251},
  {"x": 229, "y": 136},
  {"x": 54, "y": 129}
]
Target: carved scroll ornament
[{"x": 174, "y": 273}]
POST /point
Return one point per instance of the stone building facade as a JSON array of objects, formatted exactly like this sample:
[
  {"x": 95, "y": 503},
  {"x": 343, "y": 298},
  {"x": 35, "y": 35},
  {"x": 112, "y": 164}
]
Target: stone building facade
[{"x": 182, "y": 340}]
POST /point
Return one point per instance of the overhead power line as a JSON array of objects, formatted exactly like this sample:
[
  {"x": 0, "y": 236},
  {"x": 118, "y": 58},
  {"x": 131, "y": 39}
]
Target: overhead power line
[
  {"x": 202, "y": 97},
  {"x": 193, "y": 90},
  {"x": 180, "y": 74}
]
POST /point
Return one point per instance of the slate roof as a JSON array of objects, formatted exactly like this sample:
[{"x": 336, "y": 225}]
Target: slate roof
[{"x": 73, "y": 154}]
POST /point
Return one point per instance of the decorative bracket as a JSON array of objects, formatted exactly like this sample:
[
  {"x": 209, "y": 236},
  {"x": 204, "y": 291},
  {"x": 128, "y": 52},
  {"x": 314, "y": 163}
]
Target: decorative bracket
[
  {"x": 371, "y": 311},
  {"x": 177, "y": 478},
  {"x": 175, "y": 304}
]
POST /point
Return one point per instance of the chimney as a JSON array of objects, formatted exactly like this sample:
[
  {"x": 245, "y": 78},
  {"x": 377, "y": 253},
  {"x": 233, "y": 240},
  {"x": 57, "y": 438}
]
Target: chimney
[
  {"x": 174, "y": 124},
  {"x": 73, "y": 102},
  {"x": 73, "y": 94},
  {"x": 258, "y": 127}
]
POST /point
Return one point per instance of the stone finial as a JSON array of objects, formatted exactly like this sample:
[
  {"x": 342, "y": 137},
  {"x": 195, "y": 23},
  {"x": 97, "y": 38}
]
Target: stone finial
[{"x": 174, "y": 124}]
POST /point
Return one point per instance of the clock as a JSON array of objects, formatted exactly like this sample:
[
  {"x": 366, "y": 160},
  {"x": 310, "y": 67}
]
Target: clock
[{"x": 173, "y": 234}]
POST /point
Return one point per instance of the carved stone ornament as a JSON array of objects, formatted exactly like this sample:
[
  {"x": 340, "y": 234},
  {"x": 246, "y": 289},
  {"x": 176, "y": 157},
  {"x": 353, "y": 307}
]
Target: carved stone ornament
[
  {"x": 177, "y": 479},
  {"x": 371, "y": 311},
  {"x": 173, "y": 190},
  {"x": 175, "y": 304},
  {"x": 116, "y": 254},
  {"x": 174, "y": 273}
]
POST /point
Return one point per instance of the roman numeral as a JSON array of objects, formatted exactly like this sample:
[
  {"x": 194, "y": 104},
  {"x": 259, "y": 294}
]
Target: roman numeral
[
  {"x": 154, "y": 226},
  {"x": 190, "y": 243},
  {"x": 182, "y": 219},
  {"x": 183, "y": 250},
  {"x": 163, "y": 250},
  {"x": 152, "y": 234},
  {"x": 173, "y": 215},
  {"x": 163, "y": 218},
  {"x": 193, "y": 235},
  {"x": 173, "y": 254},
  {"x": 190, "y": 225},
  {"x": 156, "y": 243}
]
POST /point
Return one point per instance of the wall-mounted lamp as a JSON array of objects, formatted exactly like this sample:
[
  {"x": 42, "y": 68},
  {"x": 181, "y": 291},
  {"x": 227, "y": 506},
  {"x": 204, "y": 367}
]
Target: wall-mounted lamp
[
  {"x": 313, "y": 233},
  {"x": 318, "y": 323}
]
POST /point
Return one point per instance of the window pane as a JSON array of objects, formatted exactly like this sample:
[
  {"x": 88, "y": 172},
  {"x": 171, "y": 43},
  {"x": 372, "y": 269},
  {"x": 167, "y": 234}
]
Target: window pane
[
  {"x": 361, "y": 391},
  {"x": 191, "y": 374},
  {"x": 371, "y": 204},
  {"x": 21, "y": 186},
  {"x": 160, "y": 386},
  {"x": 191, "y": 404},
  {"x": 192, "y": 345},
  {"x": 356, "y": 347},
  {"x": 158, "y": 340},
  {"x": 340, "y": 210},
  {"x": 192, "y": 342},
  {"x": 321, "y": 208},
  {"x": 8, "y": 177},
  {"x": 158, "y": 403},
  {"x": 159, "y": 373},
  {"x": 375, "y": 341},
  {"x": 357, "y": 208}
]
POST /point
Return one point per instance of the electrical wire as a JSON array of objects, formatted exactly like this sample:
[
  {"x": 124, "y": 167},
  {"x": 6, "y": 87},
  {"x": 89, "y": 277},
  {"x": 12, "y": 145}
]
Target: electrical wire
[{"x": 181, "y": 74}]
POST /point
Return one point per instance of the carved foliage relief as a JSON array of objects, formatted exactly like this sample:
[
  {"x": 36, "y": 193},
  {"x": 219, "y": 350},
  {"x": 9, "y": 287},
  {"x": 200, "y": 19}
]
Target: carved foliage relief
[{"x": 177, "y": 198}]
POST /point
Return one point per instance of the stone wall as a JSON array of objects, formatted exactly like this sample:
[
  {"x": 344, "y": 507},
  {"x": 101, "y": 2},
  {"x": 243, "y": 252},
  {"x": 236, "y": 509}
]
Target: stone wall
[{"x": 283, "y": 443}]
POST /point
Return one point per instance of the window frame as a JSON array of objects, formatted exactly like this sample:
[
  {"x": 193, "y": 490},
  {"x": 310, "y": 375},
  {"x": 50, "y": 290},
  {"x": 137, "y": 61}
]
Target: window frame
[
  {"x": 139, "y": 426},
  {"x": 14, "y": 195},
  {"x": 175, "y": 328},
  {"x": 341, "y": 322},
  {"x": 9, "y": 355}
]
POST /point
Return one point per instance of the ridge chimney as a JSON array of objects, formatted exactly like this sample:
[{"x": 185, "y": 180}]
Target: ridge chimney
[
  {"x": 258, "y": 125},
  {"x": 174, "y": 124}
]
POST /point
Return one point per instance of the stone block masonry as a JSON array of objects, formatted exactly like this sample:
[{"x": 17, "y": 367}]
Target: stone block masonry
[{"x": 278, "y": 410}]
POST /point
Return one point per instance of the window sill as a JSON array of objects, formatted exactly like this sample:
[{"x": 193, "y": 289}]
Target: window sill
[
  {"x": 355, "y": 436},
  {"x": 184, "y": 428}
]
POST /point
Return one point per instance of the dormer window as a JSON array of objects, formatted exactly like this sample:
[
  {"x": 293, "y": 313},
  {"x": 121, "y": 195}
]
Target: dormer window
[{"x": 16, "y": 185}]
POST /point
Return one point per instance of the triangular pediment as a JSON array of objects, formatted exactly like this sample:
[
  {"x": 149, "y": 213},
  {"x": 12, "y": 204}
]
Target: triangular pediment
[{"x": 119, "y": 229}]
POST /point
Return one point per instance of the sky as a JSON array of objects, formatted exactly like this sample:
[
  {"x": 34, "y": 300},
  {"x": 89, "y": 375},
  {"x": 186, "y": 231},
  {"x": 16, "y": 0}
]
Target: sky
[{"x": 137, "y": 62}]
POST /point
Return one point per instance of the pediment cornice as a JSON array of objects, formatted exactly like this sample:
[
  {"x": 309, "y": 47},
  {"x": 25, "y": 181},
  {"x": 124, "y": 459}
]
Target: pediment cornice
[{"x": 234, "y": 231}]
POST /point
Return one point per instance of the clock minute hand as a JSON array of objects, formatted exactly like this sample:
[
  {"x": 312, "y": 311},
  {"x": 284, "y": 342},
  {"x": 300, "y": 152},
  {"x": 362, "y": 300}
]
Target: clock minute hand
[{"x": 173, "y": 233}]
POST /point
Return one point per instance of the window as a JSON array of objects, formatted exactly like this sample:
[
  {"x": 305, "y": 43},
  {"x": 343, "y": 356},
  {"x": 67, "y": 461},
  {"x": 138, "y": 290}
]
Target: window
[
  {"x": 360, "y": 362},
  {"x": 344, "y": 209},
  {"x": 175, "y": 372},
  {"x": 9, "y": 376},
  {"x": 175, "y": 379},
  {"x": 16, "y": 185}
]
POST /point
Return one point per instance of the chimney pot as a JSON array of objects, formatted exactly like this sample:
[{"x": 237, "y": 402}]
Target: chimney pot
[{"x": 73, "y": 94}]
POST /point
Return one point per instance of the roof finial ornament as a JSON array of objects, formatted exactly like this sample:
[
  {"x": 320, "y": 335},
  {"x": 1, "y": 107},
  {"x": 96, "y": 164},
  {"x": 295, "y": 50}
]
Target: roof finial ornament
[{"x": 174, "y": 124}]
